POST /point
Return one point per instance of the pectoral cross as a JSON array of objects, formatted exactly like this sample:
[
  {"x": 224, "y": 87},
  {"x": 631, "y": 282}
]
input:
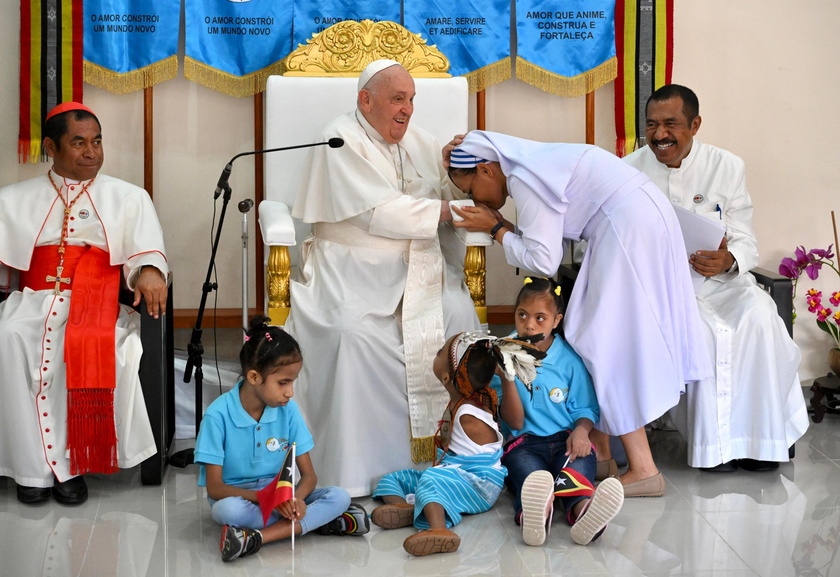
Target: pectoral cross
[{"x": 58, "y": 279}]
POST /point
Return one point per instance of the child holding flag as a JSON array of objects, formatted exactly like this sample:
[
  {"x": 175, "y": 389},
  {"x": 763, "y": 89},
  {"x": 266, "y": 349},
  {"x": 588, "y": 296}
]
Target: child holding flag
[
  {"x": 467, "y": 476},
  {"x": 248, "y": 440},
  {"x": 550, "y": 454}
]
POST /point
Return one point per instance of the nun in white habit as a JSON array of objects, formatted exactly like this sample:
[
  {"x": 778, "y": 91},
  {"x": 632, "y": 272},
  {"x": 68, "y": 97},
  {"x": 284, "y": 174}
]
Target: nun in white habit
[{"x": 632, "y": 316}]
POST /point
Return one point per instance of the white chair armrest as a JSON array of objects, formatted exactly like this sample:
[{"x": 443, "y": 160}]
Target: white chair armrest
[
  {"x": 276, "y": 223},
  {"x": 469, "y": 238}
]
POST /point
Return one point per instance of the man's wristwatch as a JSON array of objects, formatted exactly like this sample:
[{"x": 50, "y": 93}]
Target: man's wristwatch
[
  {"x": 496, "y": 229},
  {"x": 734, "y": 267}
]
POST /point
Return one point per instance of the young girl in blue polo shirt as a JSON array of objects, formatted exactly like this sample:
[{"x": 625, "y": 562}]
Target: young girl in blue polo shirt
[
  {"x": 242, "y": 445},
  {"x": 549, "y": 424}
]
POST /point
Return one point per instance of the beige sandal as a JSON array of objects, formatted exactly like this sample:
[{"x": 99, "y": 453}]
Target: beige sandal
[{"x": 432, "y": 541}]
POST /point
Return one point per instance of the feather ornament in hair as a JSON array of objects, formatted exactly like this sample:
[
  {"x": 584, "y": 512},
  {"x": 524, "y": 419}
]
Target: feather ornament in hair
[{"x": 519, "y": 358}]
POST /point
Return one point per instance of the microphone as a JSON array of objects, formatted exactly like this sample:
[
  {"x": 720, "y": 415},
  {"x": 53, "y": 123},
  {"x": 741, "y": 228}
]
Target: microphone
[
  {"x": 223, "y": 179},
  {"x": 222, "y": 185},
  {"x": 246, "y": 205}
]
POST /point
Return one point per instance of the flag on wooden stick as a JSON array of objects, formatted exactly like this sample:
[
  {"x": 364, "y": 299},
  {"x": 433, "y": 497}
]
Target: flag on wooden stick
[
  {"x": 281, "y": 488},
  {"x": 50, "y": 66}
]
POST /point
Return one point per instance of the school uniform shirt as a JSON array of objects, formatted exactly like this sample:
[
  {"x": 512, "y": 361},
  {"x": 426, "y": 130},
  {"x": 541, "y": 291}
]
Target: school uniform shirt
[
  {"x": 246, "y": 449},
  {"x": 562, "y": 394},
  {"x": 632, "y": 317},
  {"x": 753, "y": 406}
]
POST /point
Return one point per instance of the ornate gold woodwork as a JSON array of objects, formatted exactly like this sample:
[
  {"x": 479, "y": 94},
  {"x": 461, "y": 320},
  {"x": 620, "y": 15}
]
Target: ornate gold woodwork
[
  {"x": 475, "y": 271},
  {"x": 344, "y": 49},
  {"x": 277, "y": 284}
]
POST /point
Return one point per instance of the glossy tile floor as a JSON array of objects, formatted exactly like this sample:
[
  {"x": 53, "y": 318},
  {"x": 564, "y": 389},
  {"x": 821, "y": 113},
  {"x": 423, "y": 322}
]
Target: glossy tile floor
[{"x": 736, "y": 525}]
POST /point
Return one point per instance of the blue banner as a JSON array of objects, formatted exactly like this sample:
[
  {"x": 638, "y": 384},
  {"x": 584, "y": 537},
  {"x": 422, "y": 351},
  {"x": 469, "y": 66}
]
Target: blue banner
[
  {"x": 474, "y": 35},
  {"x": 566, "y": 48},
  {"x": 130, "y": 44},
  {"x": 233, "y": 45},
  {"x": 313, "y": 16}
]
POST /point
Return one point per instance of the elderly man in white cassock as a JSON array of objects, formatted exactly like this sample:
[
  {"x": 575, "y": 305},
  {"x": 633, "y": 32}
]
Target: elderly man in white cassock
[
  {"x": 376, "y": 297},
  {"x": 71, "y": 397}
]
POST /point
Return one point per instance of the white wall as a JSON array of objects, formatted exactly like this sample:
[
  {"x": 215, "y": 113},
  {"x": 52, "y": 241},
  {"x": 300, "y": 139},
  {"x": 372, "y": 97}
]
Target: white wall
[{"x": 764, "y": 71}]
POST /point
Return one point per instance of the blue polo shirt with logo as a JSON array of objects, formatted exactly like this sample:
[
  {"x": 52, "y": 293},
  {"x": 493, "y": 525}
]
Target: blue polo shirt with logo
[{"x": 246, "y": 449}]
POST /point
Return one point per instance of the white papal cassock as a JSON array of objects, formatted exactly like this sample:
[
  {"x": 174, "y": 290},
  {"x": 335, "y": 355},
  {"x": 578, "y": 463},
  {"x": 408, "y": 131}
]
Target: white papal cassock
[
  {"x": 753, "y": 407},
  {"x": 374, "y": 302},
  {"x": 631, "y": 316},
  {"x": 116, "y": 217}
]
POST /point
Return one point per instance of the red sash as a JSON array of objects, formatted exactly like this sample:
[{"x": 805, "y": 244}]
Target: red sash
[{"x": 89, "y": 350}]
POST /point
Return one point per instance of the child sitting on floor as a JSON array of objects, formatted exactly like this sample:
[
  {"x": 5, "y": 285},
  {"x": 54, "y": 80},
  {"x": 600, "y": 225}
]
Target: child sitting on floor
[
  {"x": 550, "y": 454},
  {"x": 242, "y": 445},
  {"x": 467, "y": 477}
]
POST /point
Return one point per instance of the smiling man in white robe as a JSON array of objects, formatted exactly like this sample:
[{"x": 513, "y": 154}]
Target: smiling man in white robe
[
  {"x": 70, "y": 396},
  {"x": 376, "y": 298},
  {"x": 753, "y": 410}
]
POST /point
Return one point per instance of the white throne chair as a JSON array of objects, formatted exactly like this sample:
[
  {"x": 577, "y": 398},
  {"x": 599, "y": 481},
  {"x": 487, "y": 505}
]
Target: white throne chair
[{"x": 320, "y": 84}]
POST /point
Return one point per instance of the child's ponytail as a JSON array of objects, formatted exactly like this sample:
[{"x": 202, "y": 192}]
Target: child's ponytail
[{"x": 267, "y": 347}]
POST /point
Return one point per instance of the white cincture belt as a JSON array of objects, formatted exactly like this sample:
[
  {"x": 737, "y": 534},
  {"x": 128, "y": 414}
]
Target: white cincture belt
[{"x": 351, "y": 235}]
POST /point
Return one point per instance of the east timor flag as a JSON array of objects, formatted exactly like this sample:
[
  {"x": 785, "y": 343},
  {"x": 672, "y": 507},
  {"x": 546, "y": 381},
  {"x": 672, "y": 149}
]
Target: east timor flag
[
  {"x": 280, "y": 490},
  {"x": 571, "y": 483}
]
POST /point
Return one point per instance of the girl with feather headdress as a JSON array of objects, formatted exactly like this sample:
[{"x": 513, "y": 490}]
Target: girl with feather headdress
[{"x": 467, "y": 476}]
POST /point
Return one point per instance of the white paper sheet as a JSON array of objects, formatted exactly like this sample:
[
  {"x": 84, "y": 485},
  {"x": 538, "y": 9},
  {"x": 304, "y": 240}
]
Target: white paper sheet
[{"x": 699, "y": 233}]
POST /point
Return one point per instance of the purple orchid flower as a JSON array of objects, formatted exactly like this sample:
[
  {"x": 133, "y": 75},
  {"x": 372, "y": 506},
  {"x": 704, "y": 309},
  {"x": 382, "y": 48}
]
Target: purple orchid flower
[
  {"x": 789, "y": 268},
  {"x": 820, "y": 253}
]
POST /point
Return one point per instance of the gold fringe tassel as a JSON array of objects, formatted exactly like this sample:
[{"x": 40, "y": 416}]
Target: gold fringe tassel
[
  {"x": 126, "y": 82},
  {"x": 568, "y": 86},
  {"x": 485, "y": 77},
  {"x": 422, "y": 449},
  {"x": 226, "y": 83}
]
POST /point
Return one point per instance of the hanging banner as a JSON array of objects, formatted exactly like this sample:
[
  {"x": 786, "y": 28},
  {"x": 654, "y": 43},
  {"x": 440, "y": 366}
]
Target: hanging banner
[
  {"x": 50, "y": 66},
  {"x": 313, "y": 16},
  {"x": 473, "y": 35},
  {"x": 565, "y": 48},
  {"x": 131, "y": 44},
  {"x": 233, "y": 46},
  {"x": 645, "y": 52}
]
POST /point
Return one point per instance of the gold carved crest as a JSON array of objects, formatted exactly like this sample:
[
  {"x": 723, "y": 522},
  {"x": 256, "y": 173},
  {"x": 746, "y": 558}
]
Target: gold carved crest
[{"x": 346, "y": 48}]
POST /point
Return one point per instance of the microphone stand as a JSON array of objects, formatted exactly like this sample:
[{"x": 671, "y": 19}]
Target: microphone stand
[
  {"x": 195, "y": 349},
  {"x": 244, "y": 207}
]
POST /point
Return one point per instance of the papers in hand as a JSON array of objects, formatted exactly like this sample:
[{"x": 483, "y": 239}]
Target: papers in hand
[{"x": 699, "y": 233}]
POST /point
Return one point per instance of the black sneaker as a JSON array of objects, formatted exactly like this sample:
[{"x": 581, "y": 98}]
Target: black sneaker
[
  {"x": 354, "y": 521},
  {"x": 237, "y": 542},
  {"x": 757, "y": 466}
]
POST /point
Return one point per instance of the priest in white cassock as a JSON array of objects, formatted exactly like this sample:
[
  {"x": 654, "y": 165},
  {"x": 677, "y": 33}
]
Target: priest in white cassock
[
  {"x": 753, "y": 410},
  {"x": 70, "y": 397},
  {"x": 376, "y": 297}
]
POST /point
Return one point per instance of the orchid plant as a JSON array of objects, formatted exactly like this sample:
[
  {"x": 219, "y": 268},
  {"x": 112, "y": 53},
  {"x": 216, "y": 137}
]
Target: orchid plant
[{"x": 811, "y": 262}]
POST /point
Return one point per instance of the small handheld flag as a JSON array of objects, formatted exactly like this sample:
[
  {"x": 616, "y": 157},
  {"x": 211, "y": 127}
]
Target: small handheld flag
[
  {"x": 279, "y": 490},
  {"x": 570, "y": 483}
]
